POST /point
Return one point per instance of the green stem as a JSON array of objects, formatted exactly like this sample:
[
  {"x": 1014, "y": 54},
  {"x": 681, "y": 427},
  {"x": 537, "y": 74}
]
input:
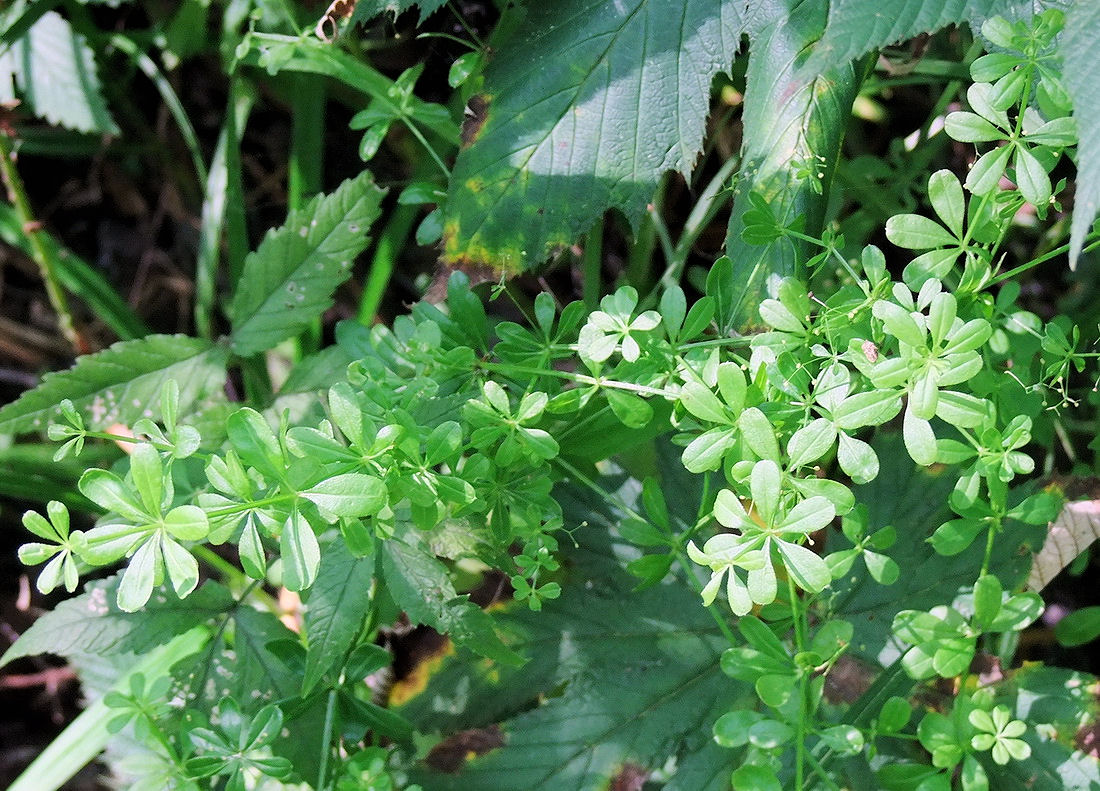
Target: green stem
[
  {"x": 390, "y": 243},
  {"x": 326, "y": 737},
  {"x": 41, "y": 252},
  {"x": 797, "y": 616}
]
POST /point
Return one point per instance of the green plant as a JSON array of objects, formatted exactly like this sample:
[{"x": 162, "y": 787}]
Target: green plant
[{"x": 657, "y": 478}]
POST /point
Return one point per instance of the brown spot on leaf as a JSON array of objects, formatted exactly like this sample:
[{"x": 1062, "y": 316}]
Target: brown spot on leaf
[
  {"x": 630, "y": 778},
  {"x": 451, "y": 753},
  {"x": 477, "y": 110}
]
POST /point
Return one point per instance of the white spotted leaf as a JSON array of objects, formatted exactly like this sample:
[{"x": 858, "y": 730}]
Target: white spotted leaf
[{"x": 288, "y": 281}]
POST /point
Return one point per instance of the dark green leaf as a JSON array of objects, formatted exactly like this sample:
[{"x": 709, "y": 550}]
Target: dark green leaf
[
  {"x": 527, "y": 179},
  {"x": 335, "y": 609}
]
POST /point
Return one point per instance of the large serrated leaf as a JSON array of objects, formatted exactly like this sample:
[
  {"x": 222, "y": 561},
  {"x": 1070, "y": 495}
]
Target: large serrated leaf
[
  {"x": 795, "y": 117},
  {"x": 616, "y": 678},
  {"x": 587, "y": 105},
  {"x": 55, "y": 71},
  {"x": 337, "y": 604},
  {"x": 92, "y": 624},
  {"x": 1078, "y": 48},
  {"x": 368, "y": 9},
  {"x": 857, "y": 27},
  {"x": 421, "y": 586},
  {"x": 289, "y": 280},
  {"x": 122, "y": 383},
  {"x": 913, "y": 500}
]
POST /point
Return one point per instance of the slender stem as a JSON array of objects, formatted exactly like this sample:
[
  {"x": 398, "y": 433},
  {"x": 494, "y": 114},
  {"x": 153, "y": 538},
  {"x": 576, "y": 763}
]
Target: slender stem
[
  {"x": 390, "y": 243},
  {"x": 798, "y": 615},
  {"x": 42, "y": 252},
  {"x": 326, "y": 737}
]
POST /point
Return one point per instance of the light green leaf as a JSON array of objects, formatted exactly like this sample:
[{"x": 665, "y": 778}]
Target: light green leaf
[
  {"x": 899, "y": 323},
  {"x": 137, "y": 579},
  {"x": 54, "y": 69},
  {"x": 914, "y": 232},
  {"x": 867, "y": 409},
  {"x": 805, "y": 566},
  {"x": 857, "y": 459},
  {"x": 111, "y": 493},
  {"x": 706, "y": 451},
  {"x": 920, "y": 440},
  {"x": 181, "y": 567},
  {"x": 811, "y": 442},
  {"x": 592, "y": 127},
  {"x": 187, "y": 523},
  {"x": 288, "y": 281},
  {"x": 350, "y": 495},
  {"x": 1032, "y": 178},
  {"x": 148, "y": 475},
  {"x": 945, "y": 193},
  {"x": 809, "y": 515},
  {"x": 758, "y": 434},
  {"x": 300, "y": 552},
  {"x": 122, "y": 383},
  {"x": 700, "y": 401},
  {"x": 765, "y": 487}
]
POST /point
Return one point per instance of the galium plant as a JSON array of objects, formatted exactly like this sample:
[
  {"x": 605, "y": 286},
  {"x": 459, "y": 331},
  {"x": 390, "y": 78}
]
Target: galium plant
[{"x": 660, "y": 492}]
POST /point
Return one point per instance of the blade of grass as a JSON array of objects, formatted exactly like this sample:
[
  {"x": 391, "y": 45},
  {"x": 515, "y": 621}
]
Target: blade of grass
[
  {"x": 168, "y": 95},
  {"x": 87, "y": 735},
  {"x": 215, "y": 205},
  {"x": 305, "y": 165},
  {"x": 391, "y": 241}
]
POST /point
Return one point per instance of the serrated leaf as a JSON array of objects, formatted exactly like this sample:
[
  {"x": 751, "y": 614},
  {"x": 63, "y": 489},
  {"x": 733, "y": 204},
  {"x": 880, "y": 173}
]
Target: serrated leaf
[
  {"x": 288, "y": 281},
  {"x": 1077, "y": 46},
  {"x": 858, "y": 26},
  {"x": 792, "y": 114},
  {"x": 122, "y": 383},
  {"x": 420, "y": 585},
  {"x": 587, "y": 105},
  {"x": 634, "y": 692},
  {"x": 92, "y": 624},
  {"x": 336, "y": 609},
  {"x": 365, "y": 10},
  {"x": 55, "y": 70}
]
